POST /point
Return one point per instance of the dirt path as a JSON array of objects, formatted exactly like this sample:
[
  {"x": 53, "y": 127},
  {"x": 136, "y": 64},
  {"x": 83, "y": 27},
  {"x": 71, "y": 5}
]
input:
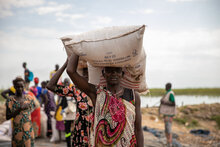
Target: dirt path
[{"x": 201, "y": 115}]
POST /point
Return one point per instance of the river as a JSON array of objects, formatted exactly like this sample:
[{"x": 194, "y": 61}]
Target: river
[{"x": 180, "y": 100}]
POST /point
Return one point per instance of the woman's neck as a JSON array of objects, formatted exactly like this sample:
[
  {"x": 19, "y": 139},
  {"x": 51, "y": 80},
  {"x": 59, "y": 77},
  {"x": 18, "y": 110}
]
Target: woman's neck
[
  {"x": 19, "y": 95},
  {"x": 115, "y": 89}
]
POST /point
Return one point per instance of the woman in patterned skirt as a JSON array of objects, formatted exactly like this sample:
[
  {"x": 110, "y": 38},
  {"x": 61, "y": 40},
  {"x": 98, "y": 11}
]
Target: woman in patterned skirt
[
  {"x": 84, "y": 108},
  {"x": 19, "y": 107},
  {"x": 117, "y": 119}
]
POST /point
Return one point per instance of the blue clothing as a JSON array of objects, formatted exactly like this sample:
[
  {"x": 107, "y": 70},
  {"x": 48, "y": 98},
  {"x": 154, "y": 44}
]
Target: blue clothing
[{"x": 39, "y": 89}]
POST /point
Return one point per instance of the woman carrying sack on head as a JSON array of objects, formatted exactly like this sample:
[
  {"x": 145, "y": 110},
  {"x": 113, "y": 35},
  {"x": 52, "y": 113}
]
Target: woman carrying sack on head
[{"x": 117, "y": 118}]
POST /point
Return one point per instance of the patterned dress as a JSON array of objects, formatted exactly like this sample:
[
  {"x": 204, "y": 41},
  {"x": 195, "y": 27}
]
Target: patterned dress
[
  {"x": 35, "y": 115},
  {"x": 84, "y": 114},
  {"x": 22, "y": 131},
  {"x": 50, "y": 106},
  {"x": 114, "y": 119}
]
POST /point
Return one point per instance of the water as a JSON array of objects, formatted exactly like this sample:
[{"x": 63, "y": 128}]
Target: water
[{"x": 180, "y": 100}]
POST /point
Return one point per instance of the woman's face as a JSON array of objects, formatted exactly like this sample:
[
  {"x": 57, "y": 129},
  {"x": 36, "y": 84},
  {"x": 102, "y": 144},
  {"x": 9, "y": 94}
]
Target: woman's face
[
  {"x": 19, "y": 86},
  {"x": 113, "y": 75}
]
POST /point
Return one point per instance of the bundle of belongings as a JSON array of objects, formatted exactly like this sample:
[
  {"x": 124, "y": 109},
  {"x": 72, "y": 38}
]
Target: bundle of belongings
[
  {"x": 5, "y": 131},
  {"x": 120, "y": 46}
]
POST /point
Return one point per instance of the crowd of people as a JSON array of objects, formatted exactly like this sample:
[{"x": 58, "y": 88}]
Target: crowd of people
[{"x": 90, "y": 115}]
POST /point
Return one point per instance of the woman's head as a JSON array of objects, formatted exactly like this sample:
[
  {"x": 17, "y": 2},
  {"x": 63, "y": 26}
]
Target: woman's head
[
  {"x": 113, "y": 75},
  {"x": 24, "y": 64},
  {"x": 18, "y": 83},
  {"x": 57, "y": 67},
  {"x": 43, "y": 84},
  {"x": 66, "y": 82},
  {"x": 36, "y": 80},
  {"x": 168, "y": 86}
]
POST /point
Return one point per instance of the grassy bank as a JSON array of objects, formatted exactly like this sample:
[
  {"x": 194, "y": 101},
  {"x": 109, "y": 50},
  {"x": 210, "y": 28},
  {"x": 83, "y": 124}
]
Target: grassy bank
[
  {"x": 1, "y": 98},
  {"x": 189, "y": 91}
]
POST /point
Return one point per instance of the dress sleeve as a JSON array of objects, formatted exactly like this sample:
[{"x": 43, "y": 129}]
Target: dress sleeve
[
  {"x": 36, "y": 103},
  {"x": 9, "y": 104},
  {"x": 172, "y": 99},
  {"x": 65, "y": 90},
  {"x": 33, "y": 101}
]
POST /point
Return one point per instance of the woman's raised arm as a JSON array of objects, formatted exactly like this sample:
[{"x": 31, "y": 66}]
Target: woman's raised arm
[
  {"x": 53, "y": 82},
  {"x": 80, "y": 81}
]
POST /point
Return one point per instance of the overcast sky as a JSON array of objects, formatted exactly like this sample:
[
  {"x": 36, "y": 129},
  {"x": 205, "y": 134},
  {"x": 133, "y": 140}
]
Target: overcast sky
[{"x": 182, "y": 38}]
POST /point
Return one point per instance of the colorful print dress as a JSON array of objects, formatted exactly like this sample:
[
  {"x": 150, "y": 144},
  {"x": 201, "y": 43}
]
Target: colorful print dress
[
  {"x": 22, "y": 131},
  {"x": 113, "y": 121},
  {"x": 84, "y": 114},
  {"x": 35, "y": 115}
]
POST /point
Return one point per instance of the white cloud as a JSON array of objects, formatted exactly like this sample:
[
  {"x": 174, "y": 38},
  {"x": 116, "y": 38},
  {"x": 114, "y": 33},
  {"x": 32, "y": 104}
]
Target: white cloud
[
  {"x": 58, "y": 10},
  {"x": 148, "y": 11},
  {"x": 189, "y": 58},
  {"x": 20, "y": 3},
  {"x": 40, "y": 48},
  {"x": 142, "y": 11},
  {"x": 182, "y": 0},
  {"x": 52, "y": 8},
  {"x": 102, "y": 20},
  {"x": 7, "y": 5},
  {"x": 5, "y": 13},
  {"x": 61, "y": 16}
]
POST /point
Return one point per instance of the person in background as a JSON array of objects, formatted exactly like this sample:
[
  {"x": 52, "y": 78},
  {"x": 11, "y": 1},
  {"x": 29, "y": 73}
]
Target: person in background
[
  {"x": 168, "y": 109},
  {"x": 26, "y": 75},
  {"x": 19, "y": 107},
  {"x": 47, "y": 101},
  {"x": 68, "y": 112},
  {"x": 52, "y": 73},
  {"x": 8, "y": 92},
  {"x": 36, "y": 81},
  {"x": 35, "y": 115},
  {"x": 84, "y": 108},
  {"x": 117, "y": 118},
  {"x": 59, "y": 118}
]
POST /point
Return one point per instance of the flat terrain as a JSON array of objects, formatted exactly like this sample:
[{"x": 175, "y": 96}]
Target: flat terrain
[{"x": 204, "y": 116}]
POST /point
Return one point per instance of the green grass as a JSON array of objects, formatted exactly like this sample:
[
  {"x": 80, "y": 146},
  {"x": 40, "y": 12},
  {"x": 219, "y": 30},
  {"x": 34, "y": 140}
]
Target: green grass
[
  {"x": 217, "y": 119},
  {"x": 188, "y": 91},
  {"x": 183, "y": 121},
  {"x": 1, "y": 98}
]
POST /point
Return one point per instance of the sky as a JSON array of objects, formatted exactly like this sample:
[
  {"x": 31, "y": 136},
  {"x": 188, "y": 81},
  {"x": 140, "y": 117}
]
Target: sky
[{"x": 181, "y": 40}]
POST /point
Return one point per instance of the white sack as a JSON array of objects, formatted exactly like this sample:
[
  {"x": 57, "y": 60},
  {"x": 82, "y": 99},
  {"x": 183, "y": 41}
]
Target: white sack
[
  {"x": 55, "y": 133},
  {"x": 115, "y": 47},
  {"x": 43, "y": 120},
  {"x": 133, "y": 78},
  {"x": 111, "y": 46}
]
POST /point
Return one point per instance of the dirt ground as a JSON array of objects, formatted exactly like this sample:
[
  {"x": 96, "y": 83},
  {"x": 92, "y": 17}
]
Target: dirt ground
[{"x": 201, "y": 114}]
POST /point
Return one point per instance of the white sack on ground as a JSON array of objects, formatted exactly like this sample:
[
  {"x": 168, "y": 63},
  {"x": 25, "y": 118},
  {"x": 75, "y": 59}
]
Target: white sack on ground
[
  {"x": 55, "y": 133},
  {"x": 43, "y": 123},
  {"x": 4, "y": 129},
  {"x": 111, "y": 46}
]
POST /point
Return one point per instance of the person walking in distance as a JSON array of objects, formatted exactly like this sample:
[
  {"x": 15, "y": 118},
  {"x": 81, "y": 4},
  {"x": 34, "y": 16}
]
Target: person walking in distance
[
  {"x": 168, "y": 109},
  {"x": 28, "y": 76}
]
